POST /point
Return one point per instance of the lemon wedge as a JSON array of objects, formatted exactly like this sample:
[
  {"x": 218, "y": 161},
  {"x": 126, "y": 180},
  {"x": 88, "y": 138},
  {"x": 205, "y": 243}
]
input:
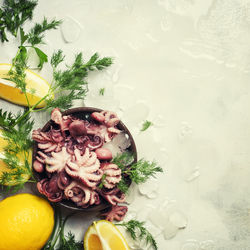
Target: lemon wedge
[
  {"x": 20, "y": 156},
  {"x": 37, "y": 87},
  {"x": 104, "y": 235}
]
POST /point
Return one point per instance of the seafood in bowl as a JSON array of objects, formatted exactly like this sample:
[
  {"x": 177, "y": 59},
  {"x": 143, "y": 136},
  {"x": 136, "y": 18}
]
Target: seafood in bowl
[{"x": 73, "y": 159}]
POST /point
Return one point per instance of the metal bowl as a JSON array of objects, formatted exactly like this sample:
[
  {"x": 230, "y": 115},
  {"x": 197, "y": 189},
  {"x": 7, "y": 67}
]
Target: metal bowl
[{"x": 82, "y": 113}]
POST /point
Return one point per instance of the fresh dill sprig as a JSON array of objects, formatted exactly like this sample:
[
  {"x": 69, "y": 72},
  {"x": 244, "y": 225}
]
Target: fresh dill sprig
[
  {"x": 146, "y": 125},
  {"x": 138, "y": 172},
  {"x": 123, "y": 185},
  {"x": 56, "y": 59},
  {"x": 137, "y": 231},
  {"x": 7, "y": 119},
  {"x": 13, "y": 15},
  {"x": 99, "y": 64},
  {"x": 17, "y": 152},
  {"x": 101, "y": 91},
  {"x": 36, "y": 34},
  {"x": 71, "y": 83},
  {"x": 69, "y": 243},
  {"x": 123, "y": 160},
  {"x": 34, "y": 38}
]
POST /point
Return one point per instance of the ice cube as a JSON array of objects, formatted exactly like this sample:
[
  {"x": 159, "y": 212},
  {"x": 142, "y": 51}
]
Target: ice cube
[
  {"x": 178, "y": 219},
  {"x": 118, "y": 145},
  {"x": 70, "y": 30},
  {"x": 149, "y": 189},
  {"x": 170, "y": 230},
  {"x": 122, "y": 140}
]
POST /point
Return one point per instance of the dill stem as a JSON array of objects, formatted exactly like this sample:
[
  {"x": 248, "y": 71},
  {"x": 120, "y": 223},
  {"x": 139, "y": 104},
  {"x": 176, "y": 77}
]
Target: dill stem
[
  {"x": 56, "y": 234},
  {"x": 14, "y": 59},
  {"x": 26, "y": 97},
  {"x": 31, "y": 109}
]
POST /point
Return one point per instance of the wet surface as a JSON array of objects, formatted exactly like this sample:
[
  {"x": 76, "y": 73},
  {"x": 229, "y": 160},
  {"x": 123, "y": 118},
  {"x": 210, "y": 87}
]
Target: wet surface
[{"x": 183, "y": 65}]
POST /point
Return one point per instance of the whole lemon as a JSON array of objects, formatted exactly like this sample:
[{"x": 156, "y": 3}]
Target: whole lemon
[{"x": 26, "y": 222}]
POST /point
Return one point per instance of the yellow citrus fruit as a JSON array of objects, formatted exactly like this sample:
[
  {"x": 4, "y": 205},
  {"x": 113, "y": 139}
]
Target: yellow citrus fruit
[
  {"x": 26, "y": 222},
  {"x": 4, "y": 168},
  {"x": 37, "y": 87},
  {"x": 104, "y": 235}
]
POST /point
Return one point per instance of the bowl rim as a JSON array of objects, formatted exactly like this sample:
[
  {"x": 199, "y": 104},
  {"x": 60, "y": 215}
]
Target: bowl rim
[{"x": 67, "y": 203}]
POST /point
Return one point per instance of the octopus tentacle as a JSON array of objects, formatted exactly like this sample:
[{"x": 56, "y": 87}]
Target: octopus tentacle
[
  {"x": 112, "y": 173},
  {"x": 81, "y": 194},
  {"x": 114, "y": 196},
  {"x": 85, "y": 168},
  {"x": 115, "y": 213}
]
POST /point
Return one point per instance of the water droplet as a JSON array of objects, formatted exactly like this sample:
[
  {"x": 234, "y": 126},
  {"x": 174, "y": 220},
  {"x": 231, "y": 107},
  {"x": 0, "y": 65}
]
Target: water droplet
[{"x": 70, "y": 29}]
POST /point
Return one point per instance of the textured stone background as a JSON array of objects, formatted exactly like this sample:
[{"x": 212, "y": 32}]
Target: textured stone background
[{"x": 183, "y": 64}]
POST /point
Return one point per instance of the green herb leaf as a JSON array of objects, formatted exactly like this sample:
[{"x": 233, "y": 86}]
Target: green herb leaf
[
  {"x": 123, "y": 160},
  {"x": 7, "y": 119},
  {"x": 71, "y": 83},
  {"x": 57, "y": 58},
  {"x": 18, "y": 143},
  {"x": 102, "y": 181},
  {"x": 99, "y": 64},
  {"x": 36, "y": 34},
  {"x": 123, "y": 185},
  {"x": 138, "y": 231},
  {"x": 23, "y": 36},
  {"x": 140, "y": 171},
  {"x": 69, "y": 243},
  {"x": 146, "y": 125},
  {"x": 43, "y": 58},
  {"x": 13, "y": 15},
  {"x": 101, "y": 91}
]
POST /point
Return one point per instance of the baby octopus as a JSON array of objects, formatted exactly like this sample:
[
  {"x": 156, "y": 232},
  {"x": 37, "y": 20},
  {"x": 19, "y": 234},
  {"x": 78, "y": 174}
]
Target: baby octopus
[
  {"x": 85, "y": 167},
  {"x": 74, "y": 165}
]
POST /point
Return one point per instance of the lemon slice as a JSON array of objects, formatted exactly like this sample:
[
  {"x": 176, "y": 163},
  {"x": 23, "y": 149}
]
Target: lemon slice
[
  {"x": 3, "y": 166},
  {"x": 37, "y": 87},
  {"x": 104, "y": 235}
]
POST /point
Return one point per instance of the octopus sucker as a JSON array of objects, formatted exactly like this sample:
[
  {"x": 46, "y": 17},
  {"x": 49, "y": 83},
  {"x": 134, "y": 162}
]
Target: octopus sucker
[
  {"x": 115, "y": 213},
  {"x": 81, "y": 194}
]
